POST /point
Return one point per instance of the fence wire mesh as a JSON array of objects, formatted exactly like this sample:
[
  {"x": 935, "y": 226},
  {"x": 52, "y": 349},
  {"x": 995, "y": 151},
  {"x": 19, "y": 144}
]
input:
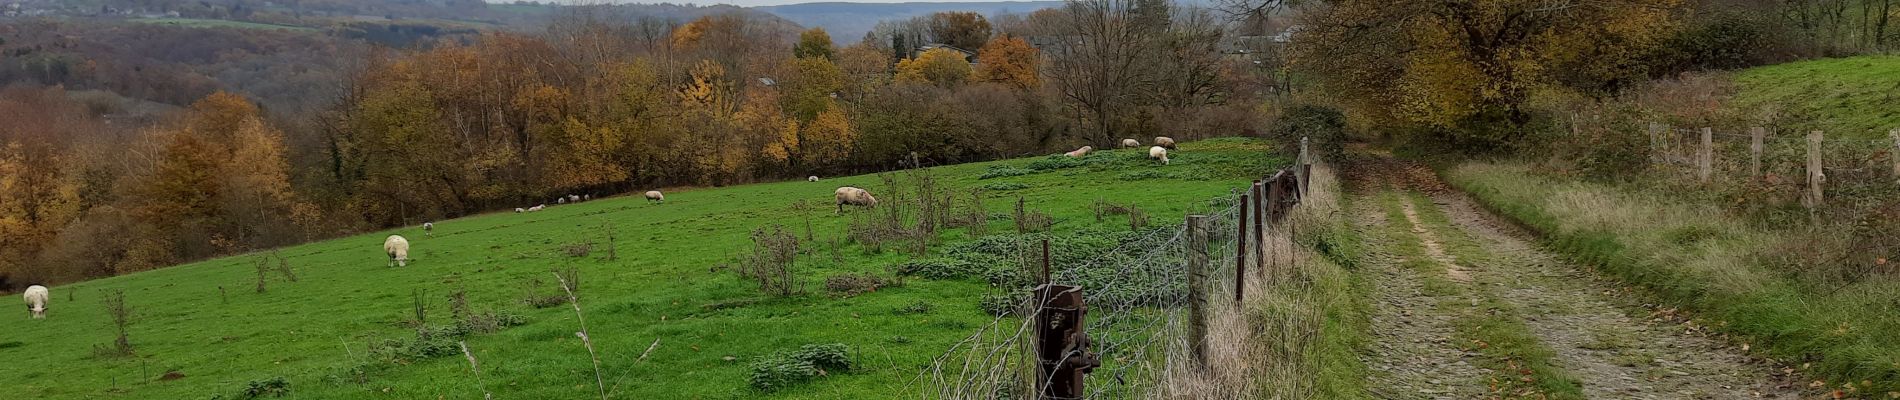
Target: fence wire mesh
[{"x": 1137, "y": 297}]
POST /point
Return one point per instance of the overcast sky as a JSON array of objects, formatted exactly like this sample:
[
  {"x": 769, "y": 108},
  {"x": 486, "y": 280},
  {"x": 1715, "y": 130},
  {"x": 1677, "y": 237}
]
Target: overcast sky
[{"x": 747, "y": 3}]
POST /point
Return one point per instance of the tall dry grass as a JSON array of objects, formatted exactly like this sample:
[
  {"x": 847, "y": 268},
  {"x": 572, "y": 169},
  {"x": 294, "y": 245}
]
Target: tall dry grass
[{"x": 1295, "y": 335}]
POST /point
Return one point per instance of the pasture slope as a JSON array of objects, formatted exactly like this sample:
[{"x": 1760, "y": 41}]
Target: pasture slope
[
  {"x": 1849, "y": 97},
  {"x": 192, "y": 341}
]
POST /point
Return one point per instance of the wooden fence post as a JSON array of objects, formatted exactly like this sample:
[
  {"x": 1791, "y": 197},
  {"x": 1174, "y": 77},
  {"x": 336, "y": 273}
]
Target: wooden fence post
[
  {"x": 1815, "y": 176},
  {"x": 1754, "y": 151},
  {"x": 1705, "y": 157},
  {"x": 1655, "y": 143},
  {"x": 1240, "y": 252},
  {"x": 1197, "y": 286},
  {"x": 1261, "y": 206},
  {"x": 1895, "y": 155}
]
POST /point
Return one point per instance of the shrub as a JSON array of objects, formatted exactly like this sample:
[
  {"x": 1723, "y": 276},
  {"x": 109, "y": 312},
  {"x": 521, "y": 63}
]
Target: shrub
[
  {"x": 1324, "y": 128},
  {"x": 771, "y": 261},
  {"x": 784, "y": 369}
]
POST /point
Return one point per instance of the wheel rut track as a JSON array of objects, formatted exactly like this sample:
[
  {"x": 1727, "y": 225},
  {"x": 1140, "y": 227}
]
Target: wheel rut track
[{"x": 1615, "y": 348}]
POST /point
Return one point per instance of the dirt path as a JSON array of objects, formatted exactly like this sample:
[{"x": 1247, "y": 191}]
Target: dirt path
[
  {"x": 1615, "y": 349},
  {"x": 1413, "y": 355}
]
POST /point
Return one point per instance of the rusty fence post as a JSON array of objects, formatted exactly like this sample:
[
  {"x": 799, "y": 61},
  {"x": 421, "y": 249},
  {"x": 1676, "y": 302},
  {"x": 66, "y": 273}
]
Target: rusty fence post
[
  {"x": 1240, "y": 252},
  {"x": 1197, "y": 287},
  {"x": 1062, "y": 345}
]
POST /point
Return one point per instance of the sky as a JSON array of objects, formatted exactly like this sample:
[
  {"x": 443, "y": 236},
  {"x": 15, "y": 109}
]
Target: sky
[{"x": 750, "y": 3}]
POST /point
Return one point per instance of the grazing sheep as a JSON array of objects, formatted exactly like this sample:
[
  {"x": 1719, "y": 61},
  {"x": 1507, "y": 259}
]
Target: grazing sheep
[
  {"x": 519, "y": 210},
  {"x": 428, "y": 229},
  {"x": 537, "y": 208},
  {"x": 813, "y": 178},
  {"x": 854, "y": 196},
  {"x": 1080, "y": 152},
  {"x": 1164, "y": 141},
  {"x": 586, "y": 197},
  {"x": 560, "y": 200},
  {"x": 1158, "y": 153},
  {"x": 654, "y": 196},
  {"x": 36, "y": 296},
  {"x": 573, "y": 199},
  {"x": 398, "y": 250},
  {"x": 1130, "y": 143}
]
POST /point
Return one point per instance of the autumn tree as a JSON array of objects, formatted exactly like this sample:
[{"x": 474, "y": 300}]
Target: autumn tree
[
  {"x": 1469, "y": 67},
  {"x": 1101, "y": 71},
  {"x": 813, "y": 43},
  {"x": 965, "y": 30},
  {"x": 939, "y": 66},
  {"x": 827, "y": 138},
  {"x": 811, "y": 87},
  {"x": 1009, "y": 60}
]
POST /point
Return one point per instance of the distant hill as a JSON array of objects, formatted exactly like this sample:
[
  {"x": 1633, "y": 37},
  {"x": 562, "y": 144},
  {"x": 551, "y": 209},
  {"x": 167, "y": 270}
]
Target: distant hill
[{"x": 847, "y": 22}]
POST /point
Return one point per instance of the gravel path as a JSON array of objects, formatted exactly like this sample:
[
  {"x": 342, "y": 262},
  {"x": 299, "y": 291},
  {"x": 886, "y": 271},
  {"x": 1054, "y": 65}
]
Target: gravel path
[{"x": 1618, "y": 349}]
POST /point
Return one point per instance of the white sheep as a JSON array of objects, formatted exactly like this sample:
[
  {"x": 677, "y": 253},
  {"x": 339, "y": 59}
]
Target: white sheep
[
  {"x": 854, "y": 196},
  {"x": 1164, "y": 141},
  {"x": 428, "y": 229},
  {"x": 560, "y": 200},
  {"x": 1080, "y": 152},
  {"x": 813, "y": 178},
  {"x": 654, "y": 196},
  {"x": 1158, "y": 153},
  {"x": 1130, "y": 143},
  {"x": 586, "y": 197},
  {"x": 398, "y": 250},
  {"x": 573, "y": 198},
  {"x": 519, "y": 210},
  {"x": 537, "y": 208},
  {"x": 36, "y": 296}
]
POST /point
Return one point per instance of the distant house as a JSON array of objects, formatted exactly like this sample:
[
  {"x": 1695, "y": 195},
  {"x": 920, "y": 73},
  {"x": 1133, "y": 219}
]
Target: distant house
[{"x": 967, "y": 54}]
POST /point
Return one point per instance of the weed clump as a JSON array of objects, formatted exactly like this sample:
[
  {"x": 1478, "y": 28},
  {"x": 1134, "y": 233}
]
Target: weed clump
[
  {"x": 785, "y": 369},
  {"x": 1004, "y": 171},
  {"x": 850, "y": 284},
  {"x": 1005, "y": 186},
  {"x": 273, "y": 387}
]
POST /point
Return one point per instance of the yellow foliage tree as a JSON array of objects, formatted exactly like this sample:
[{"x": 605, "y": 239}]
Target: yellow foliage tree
[
  {"x": 828, "y": 138},
  {"x": 939, "y": 66},
  {"x": 1009, "y": 60}
]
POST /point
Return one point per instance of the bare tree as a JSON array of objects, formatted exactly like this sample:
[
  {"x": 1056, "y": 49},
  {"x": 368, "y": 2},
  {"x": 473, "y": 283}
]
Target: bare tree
[{"x": 1096, "y": 63}]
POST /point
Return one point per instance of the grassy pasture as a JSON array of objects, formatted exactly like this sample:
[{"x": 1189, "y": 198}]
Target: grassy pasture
[
  {"x": 710, "y": 325},
  {"x": 1846, "y": 97}
]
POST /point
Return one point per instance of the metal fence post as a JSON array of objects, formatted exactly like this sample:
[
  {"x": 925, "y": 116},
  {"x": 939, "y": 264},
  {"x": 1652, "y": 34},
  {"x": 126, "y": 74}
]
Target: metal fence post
[
  {"x": 1062, "y": 347},
  {"x": 1197, "y": 287}
]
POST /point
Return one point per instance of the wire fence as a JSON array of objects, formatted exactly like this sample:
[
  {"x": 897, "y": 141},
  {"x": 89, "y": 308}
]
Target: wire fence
[
  {"x": 1779, "y": 165},
  {"x": 1137, "y": 319}
]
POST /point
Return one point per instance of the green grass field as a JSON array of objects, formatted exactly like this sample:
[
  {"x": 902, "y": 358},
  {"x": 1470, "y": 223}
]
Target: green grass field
[
  {"x": 218, "y": 23},
  {"x": 660, "y": 288},
  {"x": 1846, "y": 97}
]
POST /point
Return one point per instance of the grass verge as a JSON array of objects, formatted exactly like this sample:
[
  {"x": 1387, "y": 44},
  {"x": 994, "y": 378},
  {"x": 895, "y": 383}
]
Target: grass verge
[{"x": 1697, "y": 256}]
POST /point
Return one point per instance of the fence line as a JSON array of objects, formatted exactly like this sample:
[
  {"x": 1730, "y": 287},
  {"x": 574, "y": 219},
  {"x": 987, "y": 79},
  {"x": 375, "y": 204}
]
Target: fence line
[{"x": 1136, "y": 321}]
